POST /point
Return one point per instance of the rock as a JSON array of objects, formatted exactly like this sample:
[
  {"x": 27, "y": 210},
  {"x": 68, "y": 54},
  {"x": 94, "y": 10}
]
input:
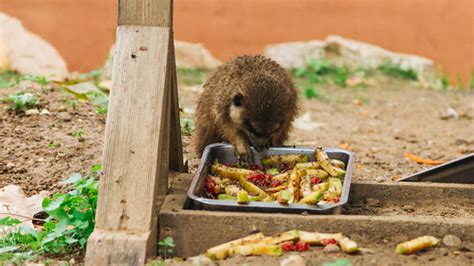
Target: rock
[
  {"x": 32, "y": 112},
  {"x": 293, "y": 260},
  {"x": 28, "y": 53},
  {"x": 379, "y": 179},
  {"x": 366, "y": 251},
  {"x": 452, "y": 241},
  {"x": 431, "y": 258},
  {"x": 14, "y": 200},
  {"x": 45, "y": 112},
  {"x": 372, "y": 56},
  {"x": 449, "y": 114},
  {"x": 373, "y": 202},
  {"x": 194, "y": 55},
  {"x": 295, "y": 54},
  {"x": 201, "y": 260},
  {"x": 443, "y": 251},
  {"x": 408, "y": 208},
  {"x": 66, "y": 117},
  {"x": 331, "y": 248}
]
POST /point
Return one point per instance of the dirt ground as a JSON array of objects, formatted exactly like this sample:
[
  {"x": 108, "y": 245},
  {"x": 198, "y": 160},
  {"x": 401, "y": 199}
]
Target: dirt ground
[{"x": 378, "y": 124}]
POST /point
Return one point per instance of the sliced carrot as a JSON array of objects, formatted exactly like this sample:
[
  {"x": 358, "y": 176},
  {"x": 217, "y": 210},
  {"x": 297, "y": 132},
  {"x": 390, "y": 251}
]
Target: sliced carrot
[{"x": 423, "y": 160}]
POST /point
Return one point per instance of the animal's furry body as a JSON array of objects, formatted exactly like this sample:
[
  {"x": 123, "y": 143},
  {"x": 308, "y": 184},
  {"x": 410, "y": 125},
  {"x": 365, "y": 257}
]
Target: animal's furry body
[{"x": 249, "y": 101}]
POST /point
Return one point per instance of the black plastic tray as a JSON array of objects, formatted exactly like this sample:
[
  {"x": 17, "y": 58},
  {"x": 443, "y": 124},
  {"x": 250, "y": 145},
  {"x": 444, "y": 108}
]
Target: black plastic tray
[{"x": 224, "y": 153}]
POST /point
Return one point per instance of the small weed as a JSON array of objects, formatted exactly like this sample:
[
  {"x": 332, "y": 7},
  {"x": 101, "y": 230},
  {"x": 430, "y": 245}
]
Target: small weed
[
  {"x": 310, "y": 93},
  {"x": 94, "y": 75},
  {"x": 187, "y": 126},
  {"x": 322, "y": 71},
  {"x": 9, "y": 78},
  {"x": 78, "y": 133},
  {"x": 165, "y": 247},
  {"x": 101, "y": 110},
  {"x": 21, "y": 101},
  {"x": 394, "y": 70},
  {"x": 66, "y": 230},
  {"x": 444, "y": 78},
  {"x": 41, "y": 80},
  {"x": 54, "y": 145},
  {"x": 192, "y": 76}
]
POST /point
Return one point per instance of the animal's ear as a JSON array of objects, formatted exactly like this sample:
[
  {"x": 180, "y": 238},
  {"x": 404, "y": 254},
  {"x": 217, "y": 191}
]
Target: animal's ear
[{"x": 238, "y": 99}]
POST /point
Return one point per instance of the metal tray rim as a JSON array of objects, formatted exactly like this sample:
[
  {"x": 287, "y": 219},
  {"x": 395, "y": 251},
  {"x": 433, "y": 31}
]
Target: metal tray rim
[{"x": 233, "y": 206}]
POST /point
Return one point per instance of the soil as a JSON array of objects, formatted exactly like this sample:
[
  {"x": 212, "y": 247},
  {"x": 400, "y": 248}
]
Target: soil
[{"x": 378, "y": 124}]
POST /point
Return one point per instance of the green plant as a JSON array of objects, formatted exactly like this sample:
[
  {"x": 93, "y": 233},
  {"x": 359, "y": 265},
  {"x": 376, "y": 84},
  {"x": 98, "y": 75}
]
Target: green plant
[
  {"x": 41, "y": 80},
  {"x": 310, "y": 92},
  {"x": 393, "y": 70},
  {"x": 187, "y": 125},
  {"x": 54, "y": 145},
  {"x": 165, "y": 247},
  {"x": 79, "y": 133},
  {"x": 321, "y": 71},
  {"x": 9, "y": 78},
  {"x": 70, "y": 222},
  {"x": 444, "y": 78},
  {"x": 21, "y": 101},
  {"x": 191, "y": 76}
]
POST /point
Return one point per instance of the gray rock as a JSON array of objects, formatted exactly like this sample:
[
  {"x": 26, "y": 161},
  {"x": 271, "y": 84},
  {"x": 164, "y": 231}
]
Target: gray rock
[
  {"x": 66, "y": 117},
  {"x": 28, "y": 53},
  {"x": 452, "y": 241},
  {"x": 295, "y": 54},
  {"x": 331, "y": 248},
  {"x": 293, "y": 260}
]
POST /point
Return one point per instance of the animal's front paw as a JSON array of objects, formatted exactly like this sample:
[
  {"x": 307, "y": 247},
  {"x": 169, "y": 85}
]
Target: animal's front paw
[{"x": 244, "y": 156}]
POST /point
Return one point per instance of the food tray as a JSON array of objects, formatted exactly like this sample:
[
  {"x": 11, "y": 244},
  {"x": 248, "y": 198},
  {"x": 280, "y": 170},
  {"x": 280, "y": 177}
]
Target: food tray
[{"x": 224, "y": 153}]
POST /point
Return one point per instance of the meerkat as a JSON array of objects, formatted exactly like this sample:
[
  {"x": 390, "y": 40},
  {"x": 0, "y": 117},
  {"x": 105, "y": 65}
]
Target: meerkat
[{"x": 249, "y": 101}]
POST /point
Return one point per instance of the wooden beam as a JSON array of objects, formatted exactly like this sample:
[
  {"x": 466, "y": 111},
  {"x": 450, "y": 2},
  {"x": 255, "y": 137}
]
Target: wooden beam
[
  {"x": 176, "y": 146},
  {"x": 136, "y": 147},
  {"x": 146, "y": 13}
]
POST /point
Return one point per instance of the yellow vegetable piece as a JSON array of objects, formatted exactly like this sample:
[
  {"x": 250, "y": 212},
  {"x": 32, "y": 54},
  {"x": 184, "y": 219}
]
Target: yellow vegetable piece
[{"x": 417, "y": 244}]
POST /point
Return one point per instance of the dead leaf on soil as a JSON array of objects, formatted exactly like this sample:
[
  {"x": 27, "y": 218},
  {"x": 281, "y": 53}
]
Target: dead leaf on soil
[{"x": 423, "y": 160}]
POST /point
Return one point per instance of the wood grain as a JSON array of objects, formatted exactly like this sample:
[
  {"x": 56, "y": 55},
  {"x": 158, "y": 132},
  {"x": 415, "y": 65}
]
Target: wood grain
[
  {"x": 145, "y": 12},
  {"x": 136, "y": 147}
]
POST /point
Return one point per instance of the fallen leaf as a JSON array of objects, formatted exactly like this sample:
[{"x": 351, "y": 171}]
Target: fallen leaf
[{"x": 423, "y": 160}]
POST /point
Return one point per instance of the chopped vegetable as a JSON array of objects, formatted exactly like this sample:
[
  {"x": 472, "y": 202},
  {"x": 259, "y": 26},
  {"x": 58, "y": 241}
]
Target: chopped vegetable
[
  {"x": 243, "y": 197},
  {"x": 313, "y": 183},
  {"x": 312, "y": 198},
  {"x": 423, "y": 160},
  {"x": 319, "y": 238},
  {"x": 224, "y": 250},
  {"x": 258, "y": 249},
  {"x": 301, "y": 246},
  {"x": 272, "y": 171},
  {"x": 348, "y": 245},
  {"x": 288, "y": 246},
  {"x": 291, "y": 235},
  {"x": 288, "y": 159},
  {"x": 417, "y": 244}
]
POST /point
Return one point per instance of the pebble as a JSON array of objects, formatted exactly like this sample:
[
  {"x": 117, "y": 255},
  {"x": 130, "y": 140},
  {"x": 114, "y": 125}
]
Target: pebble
[
  {"x": 379, "y": 179},
  {"x": 32, "y": 112},
  {"x": 201, "y": 260},
  {"x": 373, "y": 202},
  {"x": 65, "y": 117},
  {"x": 45, "y": 112},
  {"x": 331, "y": 248},
  {"x": 408, "y": 208},
  {"x": 452, "y": 241},
  {"x": 431, "y": 258},
  {"x": 293, "y": 260},
  {"x": 450, "y": 113},
  {"x": 443, "y": 251}
]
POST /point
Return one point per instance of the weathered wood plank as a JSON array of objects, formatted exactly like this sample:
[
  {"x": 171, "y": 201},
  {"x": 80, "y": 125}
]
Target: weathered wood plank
[
  {"x": 136, "y": 148},
  {"x": 145, "y": 12},
  {"x": 176, "y": 146}
]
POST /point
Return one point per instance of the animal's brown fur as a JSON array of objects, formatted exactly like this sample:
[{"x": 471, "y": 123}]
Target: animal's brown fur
[{"x": 268, "y": 105}]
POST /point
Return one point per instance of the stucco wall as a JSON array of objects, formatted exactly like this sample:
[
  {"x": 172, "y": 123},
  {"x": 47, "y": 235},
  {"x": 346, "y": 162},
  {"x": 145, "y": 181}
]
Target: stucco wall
[{"x": 83, "y": 30}]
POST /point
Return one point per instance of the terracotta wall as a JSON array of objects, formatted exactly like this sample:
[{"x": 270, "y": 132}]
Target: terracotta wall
[{"x": 83, "y": 30}]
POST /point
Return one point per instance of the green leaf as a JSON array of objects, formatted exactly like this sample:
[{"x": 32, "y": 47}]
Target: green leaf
[
  {"x": 9, "y": 221},
  {"x": 72, "y": 179}
]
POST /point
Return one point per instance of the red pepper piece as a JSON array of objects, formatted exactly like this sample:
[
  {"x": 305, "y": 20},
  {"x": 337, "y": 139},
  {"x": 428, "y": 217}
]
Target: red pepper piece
[
  {"x": 277, "y": 183},
  {"x": 301, "y": 246},
  {"x": 287, "y": 246},
  {"x": 329, "y": 241},
  {"x": 316, "y": 180}
]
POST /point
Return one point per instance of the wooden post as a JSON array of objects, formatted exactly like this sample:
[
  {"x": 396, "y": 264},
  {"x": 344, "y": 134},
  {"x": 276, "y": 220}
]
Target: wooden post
[{"x": 142, "y": 123}]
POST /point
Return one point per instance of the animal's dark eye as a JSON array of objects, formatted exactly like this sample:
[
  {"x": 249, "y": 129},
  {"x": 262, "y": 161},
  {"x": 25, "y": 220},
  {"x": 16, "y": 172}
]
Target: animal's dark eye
[{"x": 238, "y": 99}]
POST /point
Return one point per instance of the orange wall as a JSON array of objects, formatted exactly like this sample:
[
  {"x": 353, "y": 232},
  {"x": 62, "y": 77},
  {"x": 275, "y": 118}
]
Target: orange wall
[{"x": 83, "y": 30}]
